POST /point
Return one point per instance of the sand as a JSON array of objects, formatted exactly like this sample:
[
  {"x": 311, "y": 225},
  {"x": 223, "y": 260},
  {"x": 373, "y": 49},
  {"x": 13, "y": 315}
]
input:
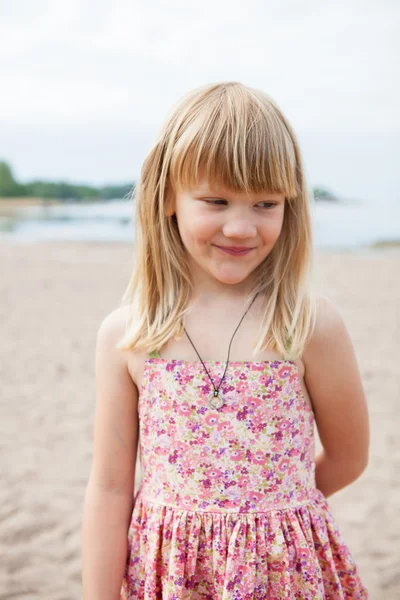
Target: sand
[{"x": 53, "y": 298}]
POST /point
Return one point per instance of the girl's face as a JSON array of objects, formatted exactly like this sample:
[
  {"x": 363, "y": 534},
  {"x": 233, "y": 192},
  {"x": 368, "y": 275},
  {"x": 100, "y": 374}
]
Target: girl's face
[{"x": 216, "y": 225}]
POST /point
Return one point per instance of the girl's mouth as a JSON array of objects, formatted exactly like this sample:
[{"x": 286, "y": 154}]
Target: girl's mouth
[{"x": 235, "y": 250}]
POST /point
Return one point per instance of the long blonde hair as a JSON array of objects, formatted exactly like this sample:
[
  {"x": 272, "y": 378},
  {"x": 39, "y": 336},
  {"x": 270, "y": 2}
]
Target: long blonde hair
[{"x": 241, "y": 139}]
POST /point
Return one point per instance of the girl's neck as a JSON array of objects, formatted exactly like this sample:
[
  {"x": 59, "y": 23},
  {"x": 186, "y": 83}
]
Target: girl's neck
[{"x": 231, "y": 300}]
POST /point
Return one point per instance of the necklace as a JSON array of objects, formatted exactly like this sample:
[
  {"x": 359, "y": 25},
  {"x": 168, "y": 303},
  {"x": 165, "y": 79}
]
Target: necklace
[{"x": 215, "y": 399}]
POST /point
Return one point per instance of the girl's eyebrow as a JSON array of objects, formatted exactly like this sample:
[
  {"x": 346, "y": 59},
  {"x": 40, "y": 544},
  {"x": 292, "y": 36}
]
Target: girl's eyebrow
[{"x": 210, "y": 192}]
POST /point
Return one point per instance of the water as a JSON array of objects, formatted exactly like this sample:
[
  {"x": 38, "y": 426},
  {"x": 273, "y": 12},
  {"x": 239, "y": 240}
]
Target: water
[{"x": 335, "y": 225}]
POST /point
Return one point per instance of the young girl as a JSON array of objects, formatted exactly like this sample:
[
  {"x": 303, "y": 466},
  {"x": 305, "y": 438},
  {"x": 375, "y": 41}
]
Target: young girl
[{"x": 224, "y": 358}]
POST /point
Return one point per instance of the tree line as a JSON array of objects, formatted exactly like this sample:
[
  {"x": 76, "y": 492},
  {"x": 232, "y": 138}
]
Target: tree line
[{"x": 62, "y": 190}]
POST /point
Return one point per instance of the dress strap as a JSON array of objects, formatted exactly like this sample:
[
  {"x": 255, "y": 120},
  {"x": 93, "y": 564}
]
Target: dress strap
[{"x": 154, "y": 354}]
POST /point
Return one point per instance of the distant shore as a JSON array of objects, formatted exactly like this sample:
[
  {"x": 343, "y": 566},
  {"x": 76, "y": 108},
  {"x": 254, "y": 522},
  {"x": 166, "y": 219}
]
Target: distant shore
[{"x": 9, "y": 203}]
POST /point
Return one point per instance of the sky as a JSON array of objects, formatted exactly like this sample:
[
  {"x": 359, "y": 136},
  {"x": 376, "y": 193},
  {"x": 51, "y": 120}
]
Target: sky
[{"x": 87, "y": 84}]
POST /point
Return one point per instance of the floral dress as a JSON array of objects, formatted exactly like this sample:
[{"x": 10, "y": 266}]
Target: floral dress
[{"x": 227, "y": 508}]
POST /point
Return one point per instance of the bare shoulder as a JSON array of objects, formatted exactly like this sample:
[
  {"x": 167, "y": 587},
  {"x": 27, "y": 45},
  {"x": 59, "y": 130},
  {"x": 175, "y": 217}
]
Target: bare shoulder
[
  {"x": 330, "y": 340},
  {"x": 333, "y": 381},
  {"x": 328, "y": 317},
  {"x": 114, "y": 323},
  {"x": 111, "y": 330},
  {"x": 111, "y": 361}
]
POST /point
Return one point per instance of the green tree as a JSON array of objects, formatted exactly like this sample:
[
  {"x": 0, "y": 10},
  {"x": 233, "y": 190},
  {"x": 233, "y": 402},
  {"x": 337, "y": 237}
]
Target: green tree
[
  {"x": 8, "y": 186},
  {"x": 112, "y": 192},
  {"x": 321, "y": 193}
]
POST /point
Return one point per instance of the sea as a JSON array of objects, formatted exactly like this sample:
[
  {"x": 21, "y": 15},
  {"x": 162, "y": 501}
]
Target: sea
[{"x": 341, "y": 225}]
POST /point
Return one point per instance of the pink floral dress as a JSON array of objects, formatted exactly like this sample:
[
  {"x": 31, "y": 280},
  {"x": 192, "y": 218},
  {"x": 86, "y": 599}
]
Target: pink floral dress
[{"x": 227, "y": 508}]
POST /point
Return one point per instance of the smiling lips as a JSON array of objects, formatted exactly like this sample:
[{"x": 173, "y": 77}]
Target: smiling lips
[{"x": 235, "y": 250}]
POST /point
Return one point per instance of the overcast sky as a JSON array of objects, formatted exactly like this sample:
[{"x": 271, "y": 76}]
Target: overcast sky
[{"x": 87, "y": 84}]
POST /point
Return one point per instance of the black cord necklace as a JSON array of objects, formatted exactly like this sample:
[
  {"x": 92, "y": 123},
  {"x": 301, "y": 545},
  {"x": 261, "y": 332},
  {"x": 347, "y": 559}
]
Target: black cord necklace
[{"x": 215, "y": 399}]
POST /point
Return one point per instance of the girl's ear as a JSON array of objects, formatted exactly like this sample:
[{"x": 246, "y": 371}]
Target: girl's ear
[{"x": 169, "y": 208}]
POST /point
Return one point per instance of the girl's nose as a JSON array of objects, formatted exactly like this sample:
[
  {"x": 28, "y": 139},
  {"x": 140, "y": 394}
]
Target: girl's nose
[{"x": 239, "y": 228}]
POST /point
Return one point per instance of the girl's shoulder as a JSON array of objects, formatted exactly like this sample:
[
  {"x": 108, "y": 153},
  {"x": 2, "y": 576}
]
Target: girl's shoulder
[
  {"x": 114, "y": 327},
  {"x": 114, "y": 323},
  {"x": 326, "y": 315},
  {"x": 329, "y": 323}
]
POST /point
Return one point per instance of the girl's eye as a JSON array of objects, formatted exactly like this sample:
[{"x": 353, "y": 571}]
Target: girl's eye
[
  {"x": 215, "y": 201},
  {"x": 268, "y": 204},
  {"x": 220, "y": 202}
]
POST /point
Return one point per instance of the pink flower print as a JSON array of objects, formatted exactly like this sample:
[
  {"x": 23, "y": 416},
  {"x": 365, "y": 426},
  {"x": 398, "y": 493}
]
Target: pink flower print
[
  {"x": 171, "y": 366},
  {"x": 283, "y": 425},
  {"x": 253, "y": 402},
  {"x": 301, "y": 494},
  {"x": 265, "y": 473},
  {"x": 242, "y": 414},
  {"x": 295, "y": 452},
  {"x": 284, "y": 372},
  {"x": 237, "y": 455},
  {"x": 249, "y": 455},
  {"x": 205, "y": 453},
  {"x": 164, "y": 404},
  {"x": 172, "y": 458},
  {"x": 211, "y": 419},
  {"x": 230, "y": 408},
  {"x": 244, "y": 482},
  {"x": 228, "y": 504},
  {"x": 293, "y": 377},
  {"x": 242, "y": 387},
  {"x": 242, "y": 570},
  {"x": 184, "y": 409},
  {"x": 277, "y": 447},
  {"x": 277, "y": 566},
  {"x": 227, "y": 389},
  {"x": 160, "y": 451},
  {"x": 256, "y": 496},
  {"x": 303, "y": 554},
  {"x": 185, "y": 463},
  {"x": 187, "y": 502},
  {"x": 213, "y": 473},
  {"x": 258, "y": 423},
  {"x": 169, "y": 497},
  {"x": 258, "y": 366},
  {"x": 258, "y": 457},
  {"x": 181, "y": 447},
  {"x": 297, "y": 386},
  {"x": 224, "y": 426},
  {"x": 206, "y": 483},
  {"x": 284, "y": 464}
]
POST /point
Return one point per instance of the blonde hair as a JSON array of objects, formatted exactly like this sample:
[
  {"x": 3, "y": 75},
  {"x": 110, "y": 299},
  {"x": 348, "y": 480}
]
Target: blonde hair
[{"x": 241, "y": 139}]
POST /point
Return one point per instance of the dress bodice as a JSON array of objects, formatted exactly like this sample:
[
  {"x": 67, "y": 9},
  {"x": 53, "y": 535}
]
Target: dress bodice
[{"x": 254, "y": 453}]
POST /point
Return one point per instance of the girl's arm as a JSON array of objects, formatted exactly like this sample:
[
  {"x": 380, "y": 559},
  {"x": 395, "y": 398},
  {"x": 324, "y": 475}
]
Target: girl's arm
[
  {"x": 334, "y": 383},
  {"x": 108, "y": 500}
]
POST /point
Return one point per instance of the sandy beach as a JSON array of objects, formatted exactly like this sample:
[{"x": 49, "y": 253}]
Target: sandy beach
[{"x": 53, "y": 298}]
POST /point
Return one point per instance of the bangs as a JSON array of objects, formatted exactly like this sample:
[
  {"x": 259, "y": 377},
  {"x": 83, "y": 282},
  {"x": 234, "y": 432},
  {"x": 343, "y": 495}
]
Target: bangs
[{"x": 238, "y": 139}]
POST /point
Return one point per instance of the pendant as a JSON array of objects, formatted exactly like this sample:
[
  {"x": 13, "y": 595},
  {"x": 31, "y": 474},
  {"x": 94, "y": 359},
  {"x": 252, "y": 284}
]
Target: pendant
[{"x": 215, "y": 400}]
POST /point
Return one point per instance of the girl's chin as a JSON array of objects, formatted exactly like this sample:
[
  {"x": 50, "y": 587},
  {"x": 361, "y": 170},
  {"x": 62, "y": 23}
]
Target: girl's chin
[{"x": 231, "y": 278}]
